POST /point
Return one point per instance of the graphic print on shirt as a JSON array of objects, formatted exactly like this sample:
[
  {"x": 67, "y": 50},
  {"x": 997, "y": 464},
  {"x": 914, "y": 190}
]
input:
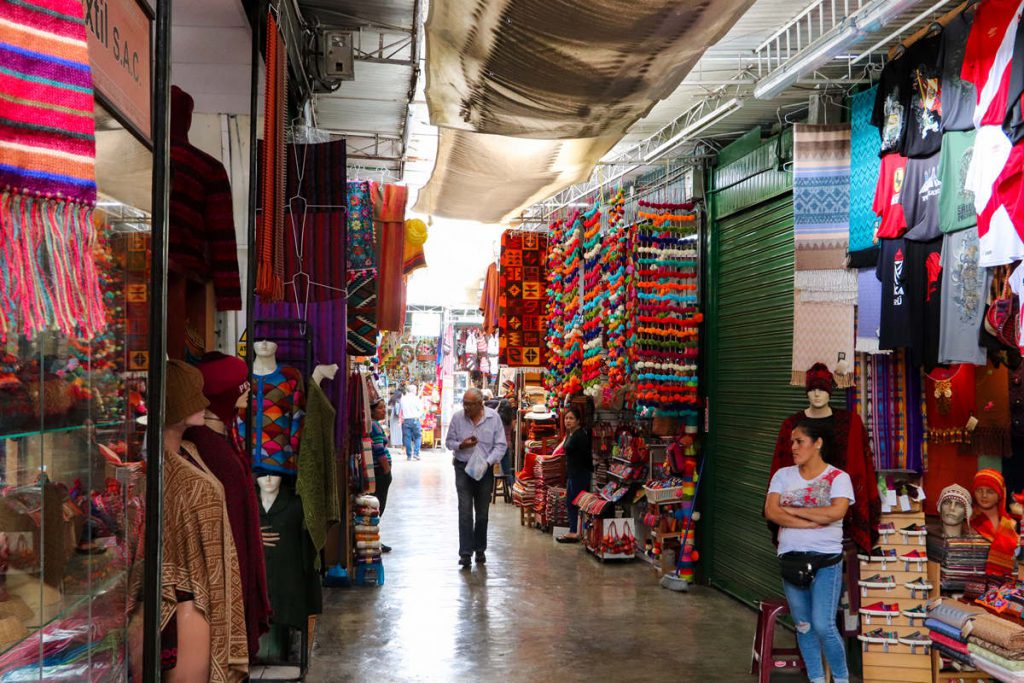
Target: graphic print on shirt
[
  {"x": 817, "y": 494},
  {"x": 966, "y": 278},
  {"x": 933, "y": 266},
  {"x": 931, "y": 187},
  {"x": 893, "y": 127},
  {"x": 929, "y": 111},
  {"x": 965, "y": 208},
  {"x": 898, "y": 176},
  {"x": 897, "y": 281}
]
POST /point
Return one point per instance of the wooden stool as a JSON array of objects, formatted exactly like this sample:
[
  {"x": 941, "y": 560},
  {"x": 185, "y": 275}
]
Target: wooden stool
[
  {"x": 764, "y": 656},
  {"x": 526, "y": 516},
  {"x": 501, "y": 482}
]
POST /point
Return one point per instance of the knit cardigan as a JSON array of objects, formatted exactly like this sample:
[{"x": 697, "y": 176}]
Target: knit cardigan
[{"x": 317, "y": 483}]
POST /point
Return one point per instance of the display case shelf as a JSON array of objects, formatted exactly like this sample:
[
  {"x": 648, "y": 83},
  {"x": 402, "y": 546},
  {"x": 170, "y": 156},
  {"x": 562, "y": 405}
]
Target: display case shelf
[{"x": 62, "y": 430}]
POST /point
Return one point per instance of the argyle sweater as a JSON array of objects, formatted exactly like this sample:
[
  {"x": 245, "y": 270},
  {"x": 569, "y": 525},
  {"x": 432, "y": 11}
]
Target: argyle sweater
[
  {"x": 202, "y": 226},
  {"x": 280, "y": 411}
]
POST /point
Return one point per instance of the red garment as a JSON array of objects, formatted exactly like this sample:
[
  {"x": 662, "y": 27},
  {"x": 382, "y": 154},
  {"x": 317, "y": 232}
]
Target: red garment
[
  {"x": 887, "y": 203},
  {"x": 853, "y": 456},
  {"x": 949, "y": 400},
  {"x": 1001, "y": 222},
  {"x": 201, "y": 238},
  {"x": 1004, "y": 542},
  {"x": 988, "y": 57},
  {"x": 232, "y": 470},
  {"x": 389, "y": 215},
  {"x": 489, "y": 300}
]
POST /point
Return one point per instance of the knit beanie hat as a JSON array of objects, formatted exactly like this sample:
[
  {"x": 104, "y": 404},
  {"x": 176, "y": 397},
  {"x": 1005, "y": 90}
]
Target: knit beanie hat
[
  {"x": 994, "y": 480},
  {"x": 819, "y": 377},
  {"x": 224, "y": 380},
  {"x": 184, "y": 393},
  {"x": 959, "y": 494}
]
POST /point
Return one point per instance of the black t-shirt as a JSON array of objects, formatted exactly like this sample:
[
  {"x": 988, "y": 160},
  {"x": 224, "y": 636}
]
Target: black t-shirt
[
  {"x": 1013, "y": 126},
  {"x": 894, "y": 330},
  {"x": 890, "y": 106},
  {"x": 923, "y": 271},
  {"x": 958, "y": 96},
  {"x": 922, "y": 130},
  {"x": 920, "y": 198}
]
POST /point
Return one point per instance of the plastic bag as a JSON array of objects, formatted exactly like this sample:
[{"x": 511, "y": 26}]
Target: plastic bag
[{"x": 477, "y": 465}]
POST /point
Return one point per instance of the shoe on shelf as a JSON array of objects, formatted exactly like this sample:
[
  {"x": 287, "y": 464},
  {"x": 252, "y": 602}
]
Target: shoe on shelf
[
  {"x": 914, "y": 556},
  {"x": 878, "y": 555},
  {"x": 918, "y": 612},
  {"x": 481, "y": 558},
  {"x": 880, "y": 609},
  {"x": 918, "y": 584},
  {"x": 886, "y": 528},
  {"x": 877, "y": 581},
  {"x": 914, "y": 530},
  {"x": 879, "y": 636},
  {"x": 916, "y": 639},
  {"x": 464, "y": 561},
  {"x": 385, "y": 548}
]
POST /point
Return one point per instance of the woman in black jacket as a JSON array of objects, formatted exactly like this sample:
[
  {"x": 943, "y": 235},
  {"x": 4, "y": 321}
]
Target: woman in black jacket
[{"x": 579, "y": 466}]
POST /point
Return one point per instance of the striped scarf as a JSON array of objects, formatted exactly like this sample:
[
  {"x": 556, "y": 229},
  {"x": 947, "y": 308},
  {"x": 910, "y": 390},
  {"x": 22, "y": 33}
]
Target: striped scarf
[{"x": 47, "y": 171}]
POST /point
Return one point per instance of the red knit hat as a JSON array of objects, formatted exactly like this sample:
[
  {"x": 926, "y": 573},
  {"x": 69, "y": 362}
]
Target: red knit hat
[
  {"x": 819, "y": 377},
  {"x": 225, "y": 378},
  {"x": 994, "y": 480}
]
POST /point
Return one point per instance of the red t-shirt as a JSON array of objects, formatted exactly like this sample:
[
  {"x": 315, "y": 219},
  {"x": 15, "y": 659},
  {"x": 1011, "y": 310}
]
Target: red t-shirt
[
  {"x": 887, "y": 204},
  {"x": 988, "y": 57}
]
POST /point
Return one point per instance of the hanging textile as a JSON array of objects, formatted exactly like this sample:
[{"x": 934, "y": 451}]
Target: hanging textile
[
  {"x": 825, "y": 291},
  {"x": 665, "y": 350},
  {"x": 865, "y": 165},
  {"x": 521, "y": 299},
  {"x": 389, "y": 214},
  {"x": 270, "y": 241},
  {"x": 565, "y": 344},
  {"x": 489, "y": 305},
  {"x": 314, "y": 254},
  {"x": 593, "y": 287},
  {"x": 614, "y": 262},
  {"x": 361, "y": 259},
  {"x": 47, "y": 172},
  {"x": 992, "y": 409},
  {"x": 889, "y": 392}
]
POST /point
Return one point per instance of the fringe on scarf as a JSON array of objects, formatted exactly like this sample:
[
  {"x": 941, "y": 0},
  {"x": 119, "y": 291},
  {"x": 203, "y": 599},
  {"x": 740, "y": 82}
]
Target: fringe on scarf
[
  {"x": 992, "y": 441},
  {"x": 844, "y": 380},
  {"x": 48, "y": 276}
]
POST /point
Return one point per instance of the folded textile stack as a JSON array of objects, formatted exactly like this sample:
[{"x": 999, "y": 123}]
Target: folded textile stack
[
  {"x": 367, "y": 529},
  {"x": 524, "y": 492},
  {"x": 996, "y": 646},
  {"x": 548, "y": 470},
  {"x": 962, "y": 561},
  {"x": 947, "y": 621},
  {"x": 557, "y": 513}
]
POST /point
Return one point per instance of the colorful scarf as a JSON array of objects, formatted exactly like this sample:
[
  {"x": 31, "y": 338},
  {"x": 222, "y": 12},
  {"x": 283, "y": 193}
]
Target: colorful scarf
[
  {"x": 389, "y": 214},
  {"x": 889, "y": 395},
  {"x": 361, "y": 258},
  {"x": 521, "y": 299},
  {"x": 270, "y": 235},
  {"x": 1003, "y": 536},
  {"x": 47, "y": 172},
  {"x": 825, "y": 292}
]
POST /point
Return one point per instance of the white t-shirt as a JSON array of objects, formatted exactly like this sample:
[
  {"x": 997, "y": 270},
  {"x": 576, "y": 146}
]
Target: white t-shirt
[
  {"x": 412, "y": 407},
  {"x": 795, "y": 491}
]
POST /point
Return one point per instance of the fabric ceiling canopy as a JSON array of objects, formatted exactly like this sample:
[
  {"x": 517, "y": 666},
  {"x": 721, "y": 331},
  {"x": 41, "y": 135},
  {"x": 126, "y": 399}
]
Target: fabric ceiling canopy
[
  {"x": 556, "y": 69},
  {"x": 487, "y": 178}
]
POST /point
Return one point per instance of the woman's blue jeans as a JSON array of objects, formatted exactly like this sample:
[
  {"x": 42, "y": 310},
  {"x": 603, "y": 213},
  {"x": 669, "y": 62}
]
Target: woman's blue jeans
[{"x": 814, "y": 612}]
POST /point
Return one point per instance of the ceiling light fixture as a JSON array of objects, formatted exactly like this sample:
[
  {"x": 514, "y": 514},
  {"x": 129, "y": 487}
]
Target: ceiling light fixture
[{"x": 843, "y": 36}]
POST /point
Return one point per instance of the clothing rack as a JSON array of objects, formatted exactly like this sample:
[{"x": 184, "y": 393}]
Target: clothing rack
[{"x": 898, "y": 49}]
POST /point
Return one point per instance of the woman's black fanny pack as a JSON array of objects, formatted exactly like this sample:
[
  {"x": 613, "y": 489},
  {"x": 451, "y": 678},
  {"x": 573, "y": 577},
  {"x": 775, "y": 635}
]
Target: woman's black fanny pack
[{"x": 799, "y": 568}]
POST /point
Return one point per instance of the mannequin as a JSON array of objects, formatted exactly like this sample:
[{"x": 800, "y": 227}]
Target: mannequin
[
  {"x": 991, "y": 520},
  {"x": 202, "y": 613},
  {"x": 322, "y": 372},
  {"x": 852, "y": 455},
  {"x": 954, "y": 510},
  {"x": 279, "y": 415},
  {"x": 294, "y": 583}
]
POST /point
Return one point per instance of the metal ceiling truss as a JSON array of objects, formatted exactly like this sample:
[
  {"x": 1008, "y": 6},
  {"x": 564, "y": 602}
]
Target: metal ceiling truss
[
  {"x": 372, "y": 146},
  {"x": 384, "y": 46}
]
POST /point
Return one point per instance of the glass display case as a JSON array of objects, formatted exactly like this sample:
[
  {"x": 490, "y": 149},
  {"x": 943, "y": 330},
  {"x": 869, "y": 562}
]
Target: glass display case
[{"x": 72, "y": 484}]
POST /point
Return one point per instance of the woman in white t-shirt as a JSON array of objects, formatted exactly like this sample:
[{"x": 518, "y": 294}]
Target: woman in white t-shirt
[{"x": 809, "y": 501}]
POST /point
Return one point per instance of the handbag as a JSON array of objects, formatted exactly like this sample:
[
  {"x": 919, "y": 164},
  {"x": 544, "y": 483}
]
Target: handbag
[
  {"x": 799, "y": 568},
  {"x": 1001, "y": 317}
]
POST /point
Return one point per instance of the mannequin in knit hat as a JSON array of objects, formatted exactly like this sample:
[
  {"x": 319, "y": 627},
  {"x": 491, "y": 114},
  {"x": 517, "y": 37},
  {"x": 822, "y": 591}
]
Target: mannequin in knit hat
[
  {"x": 852, "y": 455},
  {"x": 954, "y": 510},
  {"x": 992, "y": 521}
]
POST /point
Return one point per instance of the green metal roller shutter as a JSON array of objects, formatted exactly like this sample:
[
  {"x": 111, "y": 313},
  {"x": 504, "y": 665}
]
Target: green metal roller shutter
[{"x": 750, "y": 325}]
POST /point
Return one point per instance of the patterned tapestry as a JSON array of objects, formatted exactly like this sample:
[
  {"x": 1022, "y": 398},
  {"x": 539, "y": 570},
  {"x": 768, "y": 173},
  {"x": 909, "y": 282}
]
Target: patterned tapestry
[
  {"x": 521, "y": 318},
  {"x": 865, "y": 164},
  {"x": 825, "y": 291},
  {"x": 362, "y": 272}
]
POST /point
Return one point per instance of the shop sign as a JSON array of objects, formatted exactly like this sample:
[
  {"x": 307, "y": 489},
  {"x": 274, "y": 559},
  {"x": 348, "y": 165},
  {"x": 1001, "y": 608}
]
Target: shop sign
[{"x": 119, "y": 34}]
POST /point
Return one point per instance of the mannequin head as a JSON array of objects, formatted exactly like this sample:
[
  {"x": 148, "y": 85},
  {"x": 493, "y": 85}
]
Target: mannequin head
[
  {"x": 819, "y": 383},
  {"x": 185, "y": 402},
  {"x": 990, "y": 493},
  {"x": 818, "y": 398},
  {"x": 269, "y": 484},
  {"x": 265, "y": 348},
  {"x": 954, "y": 509}
]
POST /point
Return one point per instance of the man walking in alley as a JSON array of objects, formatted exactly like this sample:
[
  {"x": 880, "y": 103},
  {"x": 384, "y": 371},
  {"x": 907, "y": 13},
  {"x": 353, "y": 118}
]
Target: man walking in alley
[
  {"x": 412, "y": 412},
  {"x": 474, "y": 431}
]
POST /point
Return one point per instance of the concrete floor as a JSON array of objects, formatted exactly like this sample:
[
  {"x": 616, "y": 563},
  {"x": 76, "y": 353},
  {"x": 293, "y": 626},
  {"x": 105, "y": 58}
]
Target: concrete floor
[{"x": 537, "y": 611}]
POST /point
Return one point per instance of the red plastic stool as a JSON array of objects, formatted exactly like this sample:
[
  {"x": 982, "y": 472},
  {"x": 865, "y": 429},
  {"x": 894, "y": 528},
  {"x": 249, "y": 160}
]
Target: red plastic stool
[{"x": 765, "y": 657}]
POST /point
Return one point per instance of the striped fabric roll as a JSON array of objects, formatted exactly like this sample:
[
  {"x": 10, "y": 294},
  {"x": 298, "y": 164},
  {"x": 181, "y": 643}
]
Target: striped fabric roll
[{"x": 47, "y": 171}]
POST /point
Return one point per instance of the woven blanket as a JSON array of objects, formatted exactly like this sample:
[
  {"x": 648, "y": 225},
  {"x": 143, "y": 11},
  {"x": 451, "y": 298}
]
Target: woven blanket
[
  {"x": 999, "y": 631},
  {"x": 521, "y": 287},
  {"x": 945, "y": 629},
  {"x": 979, "y": 652},
  {"x": 954, "y": 644},
  {"x": 886, "y": 388},
  {"x": 270, "y": 231},
  {"x": 362, "y": 271},
  {"x": 865, "y": 165},
  {"x": 389, "y": 215},
  {"x": 1012, "y": 655},
  {"x": 955, "y": 614},
  {"x": 823, "y": 307},
  {"x": 47, "y": 172}
]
